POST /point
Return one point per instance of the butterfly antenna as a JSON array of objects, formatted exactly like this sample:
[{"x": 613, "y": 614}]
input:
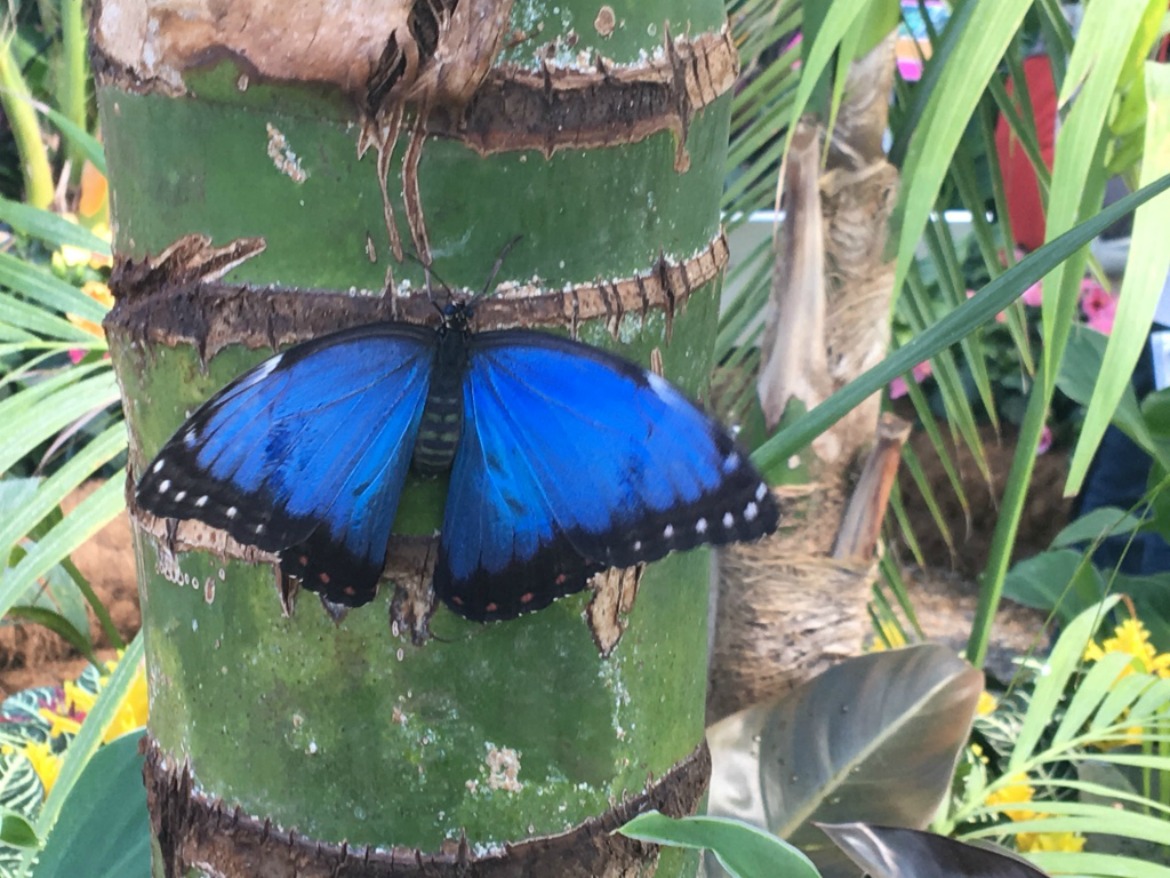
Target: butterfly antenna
[
  {"x": 428, "y": 273},
  {"x": 499, "y": 264}
]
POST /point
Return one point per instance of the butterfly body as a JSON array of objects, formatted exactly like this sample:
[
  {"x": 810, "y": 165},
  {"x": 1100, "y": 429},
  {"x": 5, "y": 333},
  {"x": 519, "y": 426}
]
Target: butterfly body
[
  {"x": 442, "y": 419},
  {"x": 564, "y": 460}
]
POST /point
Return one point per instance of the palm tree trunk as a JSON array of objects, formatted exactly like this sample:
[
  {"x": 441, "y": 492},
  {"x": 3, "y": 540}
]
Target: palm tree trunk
[
  {"x": 270, "y": 164},
  {"x": 794, "y": 604}
]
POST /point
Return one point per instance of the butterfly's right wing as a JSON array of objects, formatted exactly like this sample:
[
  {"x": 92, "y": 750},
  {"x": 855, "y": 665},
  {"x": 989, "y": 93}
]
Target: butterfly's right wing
[{"x": 305, "y": 455}]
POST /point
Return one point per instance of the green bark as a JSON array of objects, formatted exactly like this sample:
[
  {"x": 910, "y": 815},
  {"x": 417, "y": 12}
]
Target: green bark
[{"x": 349, "y": 731}]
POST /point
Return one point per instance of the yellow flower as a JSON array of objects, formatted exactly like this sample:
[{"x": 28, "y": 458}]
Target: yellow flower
[
  {"x": 1017, "y": 792},
  {"x": 78, "y": 700},
  {"x": 987, "y": 703},
  {"x": 45, "y": 762},
  {"x": 131, "y": 713},
  {"x": 100, "y": 293},
  {"x": 1030, "y": 842},
  {"x": 60, "y": 724},
  {"x": 1132, "y": 639},
  {"x": 890, "y": 637},
  {"x": 70, "y": 256}
]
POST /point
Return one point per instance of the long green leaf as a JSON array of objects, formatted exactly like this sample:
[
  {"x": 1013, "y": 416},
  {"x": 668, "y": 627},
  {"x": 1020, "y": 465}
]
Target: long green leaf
[
  {"x": 1121, "y": 696},
  {"x": 103, "y": 830},
  {"x": 1088, "y": 863},
  {"x": 1146, "y": 270},
  {"x": 1061, "y": 665},
  {"x": 59, "y": 625},
  {"x": 88, "y": 145},
  {"x": 992, "y": 299},
  {"x": 50, "y": 227},
  {"x": 743, "y": 850},
  {"x": 37, "y": 419},
  {"x": 49, "y": 291},
  {"x": 1085, "y": 817},
  {"x": 82, "y": 747},
  {"x": 838, "y": 22},
  {"x": 93, "y": 513},
  {"x": 989, "y": 29},
  {"x": 99, "y": 451},
  {"x": 1078, "y": 174},
  {"x": 35, "y": 318},
  {"x": 1091, "y": 692}
]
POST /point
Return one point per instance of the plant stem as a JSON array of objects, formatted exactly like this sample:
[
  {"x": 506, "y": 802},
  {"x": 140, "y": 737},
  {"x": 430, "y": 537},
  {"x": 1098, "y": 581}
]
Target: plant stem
[
  {"x": 74, "y": 78},
  {"x": 22, "y": 119},
  {"x": 1008, "y": 522}
]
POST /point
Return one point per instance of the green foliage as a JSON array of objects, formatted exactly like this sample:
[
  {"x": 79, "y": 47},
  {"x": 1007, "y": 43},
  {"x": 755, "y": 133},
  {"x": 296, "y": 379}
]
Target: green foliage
[
  {"x": 103, "y": 830},
  {"x": 1039, "y": 769},
  {"x": 742, "y": 850},
  {"x": 974, "y": 312},
  {"x": 43, "y": 73},
  {"x": 832, "y": 750}
]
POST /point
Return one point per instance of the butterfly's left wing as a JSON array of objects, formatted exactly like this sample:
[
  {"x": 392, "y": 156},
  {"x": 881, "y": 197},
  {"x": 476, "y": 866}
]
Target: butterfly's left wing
[
  {"x": 573, "y": 460},
  {"x": 305, "y": 455}
]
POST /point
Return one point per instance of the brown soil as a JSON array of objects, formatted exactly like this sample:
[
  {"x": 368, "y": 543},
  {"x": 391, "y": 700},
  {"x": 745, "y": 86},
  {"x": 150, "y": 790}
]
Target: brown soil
[{"x": 966, "y": 553}]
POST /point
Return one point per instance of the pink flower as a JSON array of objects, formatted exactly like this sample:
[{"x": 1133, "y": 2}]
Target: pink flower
[
  {"x": 1102, "y": 319},
  {"x": 1045, "y": 442},
  {"x": 910, "y": 69},
  {"x": 1032, "y": 295},
  {"x": 919, "y": 373},
  {"x": 1017, "y": 254},
  {"x": 1098, "y": 306}
]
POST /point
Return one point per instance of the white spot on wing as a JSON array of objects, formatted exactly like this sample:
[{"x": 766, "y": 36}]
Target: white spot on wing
[
  {"x": 728, "y": 519},
  {"x": 231, "y": 512},
  {"x": 158, "y": 464},
  {"x": 201, "y": 502},
  {"x": 751, "y": 511},
  {"x": 731, "y": 464},
  {"x": 637, "y": 545},
  {"x": 701, "y": 526},
  {"x": 164, "y": 486},
  {"x": 662, "y": 388},
  {"x": 761, "y": 491},
  {"x": 191, "y": 437},
  {"x": 263, "y": 370},
  {"x": 668, "y": 531},
  {"x": 179, "y": 496}
]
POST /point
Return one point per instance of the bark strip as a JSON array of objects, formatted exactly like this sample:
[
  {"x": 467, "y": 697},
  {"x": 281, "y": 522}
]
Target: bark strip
[
  {"x": 559, "y": 108},
  {"x": 162, "y": 304},
  {"x": 195, "y": 831}
]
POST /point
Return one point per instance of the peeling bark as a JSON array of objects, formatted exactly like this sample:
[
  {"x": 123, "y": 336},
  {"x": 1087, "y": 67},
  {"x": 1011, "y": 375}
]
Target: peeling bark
[
  {"x": 551, "y": 109},
  {"x": 436, "y": 58},
  {"x": 415, "y": 46},
  {"x": 195, "y": 832},
  {"x": 166, "y": 300},
  {"x": 614, "y": 593}
]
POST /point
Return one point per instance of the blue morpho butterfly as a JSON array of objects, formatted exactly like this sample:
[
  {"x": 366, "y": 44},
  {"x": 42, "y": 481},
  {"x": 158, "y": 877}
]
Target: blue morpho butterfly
[{"x": 564, "y": 459}]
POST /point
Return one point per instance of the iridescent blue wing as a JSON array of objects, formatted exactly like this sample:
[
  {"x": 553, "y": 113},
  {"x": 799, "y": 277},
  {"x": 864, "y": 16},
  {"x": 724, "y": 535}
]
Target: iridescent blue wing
[
  {"x": 305, "y": 455},
  {"x": 573, "y": 460}
]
